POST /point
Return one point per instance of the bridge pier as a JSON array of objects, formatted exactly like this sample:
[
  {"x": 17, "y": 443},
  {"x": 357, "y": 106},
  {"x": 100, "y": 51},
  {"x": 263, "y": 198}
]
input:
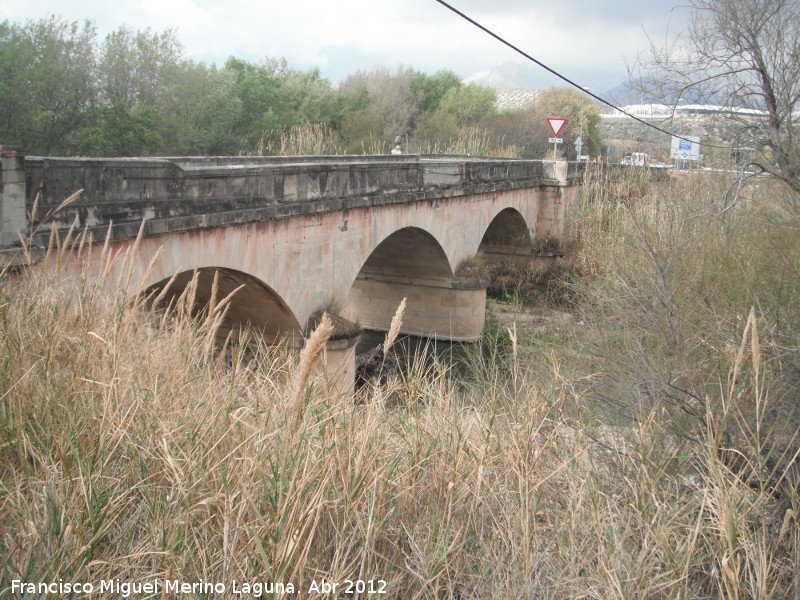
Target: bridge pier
[
  {"x": 441, "y": 309},
  {"x": 339, "y": 365},
  {"x": 549, "y": 228}
]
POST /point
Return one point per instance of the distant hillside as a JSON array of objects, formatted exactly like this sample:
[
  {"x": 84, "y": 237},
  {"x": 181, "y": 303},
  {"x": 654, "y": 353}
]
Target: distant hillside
[
  {"x": 516, "y": 99},
  {"x": 627, "y": 93},
  {"x": 514, "y": 76},
  {"x": 509, "y": 75}
]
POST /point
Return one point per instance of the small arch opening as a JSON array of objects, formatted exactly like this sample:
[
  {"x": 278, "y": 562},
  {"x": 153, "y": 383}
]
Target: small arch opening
[
  {"x": 507, "y": 234},
  {"x": 410, "y": 254}
]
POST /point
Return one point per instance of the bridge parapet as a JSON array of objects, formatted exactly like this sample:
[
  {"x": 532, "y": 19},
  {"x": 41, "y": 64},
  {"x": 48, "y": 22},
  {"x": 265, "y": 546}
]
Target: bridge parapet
[{"x": 179, "y": 194}]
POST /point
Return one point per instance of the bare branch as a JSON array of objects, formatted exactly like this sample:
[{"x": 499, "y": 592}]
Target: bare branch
[{"x": 737, "y": 54}]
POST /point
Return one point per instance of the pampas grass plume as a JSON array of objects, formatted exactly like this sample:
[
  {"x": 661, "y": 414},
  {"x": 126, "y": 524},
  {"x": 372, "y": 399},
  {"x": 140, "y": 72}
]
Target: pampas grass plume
[
  {"x": 308, "y": 358},
  {"x": 394, "y": 329}
]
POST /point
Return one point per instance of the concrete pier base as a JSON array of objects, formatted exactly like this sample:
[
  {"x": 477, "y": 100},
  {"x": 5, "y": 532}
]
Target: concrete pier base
[{"x": 339, "y": 365}]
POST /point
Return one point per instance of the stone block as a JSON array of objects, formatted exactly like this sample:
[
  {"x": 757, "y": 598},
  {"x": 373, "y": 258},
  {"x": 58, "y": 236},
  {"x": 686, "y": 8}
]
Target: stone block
[{"x": 13, "y": 213}]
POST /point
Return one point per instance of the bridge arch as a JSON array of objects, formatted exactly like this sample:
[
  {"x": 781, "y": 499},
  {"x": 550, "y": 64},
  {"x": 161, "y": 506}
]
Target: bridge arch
[
  {"x": 507, "y": 233},
  {"x": 253, "y": 306},
  {"x": 410, "y": 263},
  {"x": 507, "y": 227},
  {"x": 409, "y": 254}
]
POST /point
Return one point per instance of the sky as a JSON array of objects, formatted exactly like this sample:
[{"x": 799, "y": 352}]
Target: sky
[{"x": 587, "y": 40}]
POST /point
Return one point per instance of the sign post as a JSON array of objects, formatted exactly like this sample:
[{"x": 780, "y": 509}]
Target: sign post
[{"x": 556, "y": 125}]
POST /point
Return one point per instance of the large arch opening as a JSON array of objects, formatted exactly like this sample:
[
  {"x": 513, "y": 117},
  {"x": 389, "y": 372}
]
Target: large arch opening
[
  {"x": 507, "y": 234},
  {"x": 411, "y": 264},
  {"x": 254, "y": 306},
  {"x": 410, "y": 254}
]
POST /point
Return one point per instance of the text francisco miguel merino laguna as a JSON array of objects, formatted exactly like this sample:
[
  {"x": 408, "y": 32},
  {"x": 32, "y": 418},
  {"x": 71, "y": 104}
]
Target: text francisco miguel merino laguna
[{"x": 255, "y": 589}]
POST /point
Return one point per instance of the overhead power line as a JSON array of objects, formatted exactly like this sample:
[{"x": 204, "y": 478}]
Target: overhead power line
[{"x": 567, "y": 79}]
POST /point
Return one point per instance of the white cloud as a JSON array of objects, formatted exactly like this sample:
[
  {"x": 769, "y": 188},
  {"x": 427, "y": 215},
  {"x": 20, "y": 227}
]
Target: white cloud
[{"x": 568, "y": 35}]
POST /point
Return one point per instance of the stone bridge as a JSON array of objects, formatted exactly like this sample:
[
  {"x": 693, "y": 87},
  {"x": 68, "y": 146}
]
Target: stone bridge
[{"x": 353, "y": 235}]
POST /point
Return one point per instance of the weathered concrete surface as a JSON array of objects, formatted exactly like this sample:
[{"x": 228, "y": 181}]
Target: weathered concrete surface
[
  {"x": 442, "y": 312},
  {"x": 339, "y": 364}
]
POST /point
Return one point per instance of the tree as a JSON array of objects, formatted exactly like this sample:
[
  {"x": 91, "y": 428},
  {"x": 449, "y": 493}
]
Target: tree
[
  {"x": 116, "y": 131},
  {"x": 469, "y": 104},
  {"x": 361, "y": 132},
  {"x": 738, "y": 53},
  {"x": 390, "y": 96},
  {"x": 47, "y": 72},
  {"x": 137, "y": 68},
  {"x": 522, "y": 130},
  {"x": 436, "y": 131},
  {"x": 305, "y": 97},
  {"x": 202, "y": 112},
  {"x": 432, "y": 88},
  {"x": 572, "y": 105}
]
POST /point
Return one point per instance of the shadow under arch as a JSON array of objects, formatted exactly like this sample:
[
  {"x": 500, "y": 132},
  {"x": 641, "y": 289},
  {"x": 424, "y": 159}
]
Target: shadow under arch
[
  {"x": 410, "y": 254},
  {"x": 507, "y": 234},
  {"x": 255, "y": 307}
]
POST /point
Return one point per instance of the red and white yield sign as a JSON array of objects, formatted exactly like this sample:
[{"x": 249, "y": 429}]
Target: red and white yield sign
[{"x": 556, "y": 124}]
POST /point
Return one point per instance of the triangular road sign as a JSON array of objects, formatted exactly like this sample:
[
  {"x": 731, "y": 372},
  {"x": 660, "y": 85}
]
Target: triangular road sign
[{"x": 556, "y": 125}]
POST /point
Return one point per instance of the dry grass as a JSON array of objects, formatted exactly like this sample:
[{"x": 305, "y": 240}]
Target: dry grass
[
  {"x": 667, "y": 281},
  {"x": 309, "y": 356},
  {"x": 471, "y": 141},
  {"x": 316, "y": 139},
  {"x": 127, "y": 452},
  {"x": 306, "y": 140}
]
